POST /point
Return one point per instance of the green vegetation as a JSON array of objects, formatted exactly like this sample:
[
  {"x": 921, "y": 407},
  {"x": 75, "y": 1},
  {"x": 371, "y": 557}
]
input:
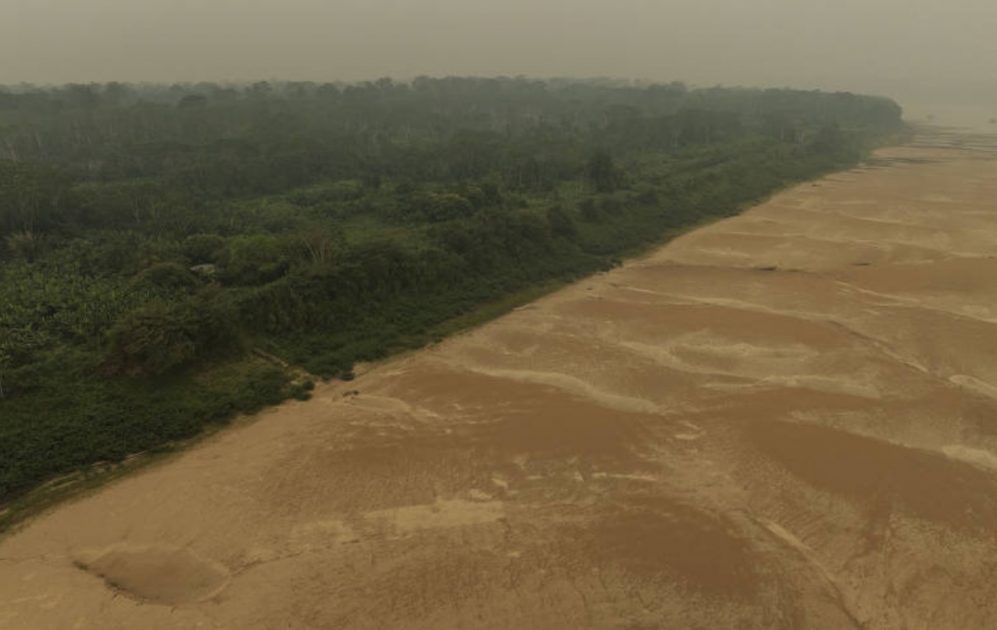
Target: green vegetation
[{"x": 155, "y": 241}]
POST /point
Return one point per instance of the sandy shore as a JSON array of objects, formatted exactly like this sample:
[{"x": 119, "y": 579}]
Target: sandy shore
[{"x": 787, "y": 419}]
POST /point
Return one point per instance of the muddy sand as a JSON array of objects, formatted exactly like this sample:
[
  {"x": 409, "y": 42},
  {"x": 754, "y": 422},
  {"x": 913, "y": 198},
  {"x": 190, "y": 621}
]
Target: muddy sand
[{"x": 787, "y": 419}]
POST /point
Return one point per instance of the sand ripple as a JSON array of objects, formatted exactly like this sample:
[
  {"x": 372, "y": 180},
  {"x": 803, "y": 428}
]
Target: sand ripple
[{"x": 787, "y": 419}]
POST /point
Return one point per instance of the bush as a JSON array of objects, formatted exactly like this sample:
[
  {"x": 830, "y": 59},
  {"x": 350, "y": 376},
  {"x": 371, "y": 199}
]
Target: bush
[
  {"x": 560, "y": 222},
  {"x": 203, "y": 248},
  {"x": 161, "y": 337},
  {"x": 257, "y": 259},
  {"x": 169, "y": 276}
]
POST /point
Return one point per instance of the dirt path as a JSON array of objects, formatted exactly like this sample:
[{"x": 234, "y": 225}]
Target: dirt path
[{"x": 785, "y": 420}]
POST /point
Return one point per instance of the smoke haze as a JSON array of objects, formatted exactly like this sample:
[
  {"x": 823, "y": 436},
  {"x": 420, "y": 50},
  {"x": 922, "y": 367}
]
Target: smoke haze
[{"x": 917, "y": 50}]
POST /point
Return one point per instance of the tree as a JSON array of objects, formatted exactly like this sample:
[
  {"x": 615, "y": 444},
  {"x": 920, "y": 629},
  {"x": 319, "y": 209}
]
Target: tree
[
  {"x": 827, "y": 140},
  {"x": 602, "y": 173},
  {"x": 193, "y": 101},
  {"x": 31, "y": 196},
  {"x": 25, "y": 245},
  {"x": 5, "y": 364},
  {"x": 560, "y": 222},
  {"x": 160, "y": 337},
  {"x": 203, "y": 248},
  {"x": 257, "y": 258},
  {"x": 292, "y": 206}
]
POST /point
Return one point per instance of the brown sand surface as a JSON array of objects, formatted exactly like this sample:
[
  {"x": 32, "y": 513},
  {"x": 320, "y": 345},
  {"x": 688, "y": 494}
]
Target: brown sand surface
[{"x": 787, "y": 419}]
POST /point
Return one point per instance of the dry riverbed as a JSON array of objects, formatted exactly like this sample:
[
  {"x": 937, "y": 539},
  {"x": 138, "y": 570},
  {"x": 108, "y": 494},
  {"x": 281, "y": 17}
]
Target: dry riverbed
[{"x": 787, "y": 419}]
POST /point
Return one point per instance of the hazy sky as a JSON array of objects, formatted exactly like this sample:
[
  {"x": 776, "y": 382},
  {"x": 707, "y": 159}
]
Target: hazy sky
[{"x": 880, "y": 45}]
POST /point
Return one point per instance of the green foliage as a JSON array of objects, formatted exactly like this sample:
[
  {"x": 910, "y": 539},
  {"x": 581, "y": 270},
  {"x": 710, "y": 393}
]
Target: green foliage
[
  {"x": 561, "y": 223},
  {"x": 160, "y": 336},
  {"x": 83, "y": 418},
  {"x": 256, "y": 259},
  {"x": 25, "y": 245},
  {"x": 203, "y": 249},
  {"x": 150, "y": 235},
  {"x": 31, "y": 197},
  {"x": 168, "y": 275},
  {"x": 602, "y": 173}
]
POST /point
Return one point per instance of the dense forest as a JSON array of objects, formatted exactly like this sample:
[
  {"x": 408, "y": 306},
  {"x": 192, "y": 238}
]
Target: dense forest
[{"x": 165, "y": 250}]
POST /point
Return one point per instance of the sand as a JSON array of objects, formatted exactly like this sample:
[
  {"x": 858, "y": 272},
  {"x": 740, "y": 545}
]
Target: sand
[{"x": 787, "y": 419}]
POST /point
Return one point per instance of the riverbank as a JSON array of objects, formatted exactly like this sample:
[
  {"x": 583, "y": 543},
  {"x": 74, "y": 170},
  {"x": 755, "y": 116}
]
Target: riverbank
[{"x": 780, "y": 419}]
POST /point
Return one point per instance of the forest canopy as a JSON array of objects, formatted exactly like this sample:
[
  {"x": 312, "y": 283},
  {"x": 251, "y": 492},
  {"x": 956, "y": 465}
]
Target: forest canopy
[{"x": 155, "y": 241}]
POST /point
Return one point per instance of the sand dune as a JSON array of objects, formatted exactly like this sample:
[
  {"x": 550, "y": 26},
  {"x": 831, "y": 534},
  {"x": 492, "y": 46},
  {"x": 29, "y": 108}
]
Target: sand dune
[{"x": 787, "y": 419}]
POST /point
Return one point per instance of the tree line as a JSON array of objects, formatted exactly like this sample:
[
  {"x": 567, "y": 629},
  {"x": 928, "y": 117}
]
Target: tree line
[{"x": 152, "y": 237}]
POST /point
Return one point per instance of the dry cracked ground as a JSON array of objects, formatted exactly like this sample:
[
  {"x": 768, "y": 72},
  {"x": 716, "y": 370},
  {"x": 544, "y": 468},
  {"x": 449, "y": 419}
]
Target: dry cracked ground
[{"x": 787, "y": 419}]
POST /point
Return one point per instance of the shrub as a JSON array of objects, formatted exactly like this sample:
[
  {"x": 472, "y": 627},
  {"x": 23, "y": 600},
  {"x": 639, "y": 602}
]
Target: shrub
[
  {"x": 160, "y": 337},
  {"x": 166, "y": 276},
  {"x": 203, "y": 248}
]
